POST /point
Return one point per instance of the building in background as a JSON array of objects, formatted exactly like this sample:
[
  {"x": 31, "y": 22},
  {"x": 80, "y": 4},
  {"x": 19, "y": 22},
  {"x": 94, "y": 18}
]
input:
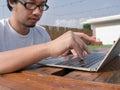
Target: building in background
[{"x": 106, "y": 29}]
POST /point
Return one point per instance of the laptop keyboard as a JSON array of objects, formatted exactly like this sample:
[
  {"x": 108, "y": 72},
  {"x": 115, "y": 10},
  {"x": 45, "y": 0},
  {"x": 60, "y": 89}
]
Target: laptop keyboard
[{"x": 88, "y": 61}]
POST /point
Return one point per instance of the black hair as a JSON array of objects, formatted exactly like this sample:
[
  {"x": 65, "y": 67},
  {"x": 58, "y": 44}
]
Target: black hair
[{"x": 14, "y": 1}]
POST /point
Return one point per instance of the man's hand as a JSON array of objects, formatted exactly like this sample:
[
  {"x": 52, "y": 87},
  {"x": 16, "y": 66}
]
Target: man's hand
[{"x": 70, "y": 41}]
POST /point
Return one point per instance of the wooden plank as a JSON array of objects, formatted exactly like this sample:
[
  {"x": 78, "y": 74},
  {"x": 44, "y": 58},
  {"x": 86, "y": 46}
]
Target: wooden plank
[
  {"x": 80, "y": 84},
  {"x": 14, "y": 85},
  {"x": 45, "y": 70},
  {"x": 4, "y": 88},
  {"x": 81, "y": 75},
  {"x": 36, "y": 81}
]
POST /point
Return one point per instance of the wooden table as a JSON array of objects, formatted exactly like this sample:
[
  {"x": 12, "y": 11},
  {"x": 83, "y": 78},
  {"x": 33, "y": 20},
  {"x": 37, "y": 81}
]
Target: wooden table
[{"x": 38, "y": 77}]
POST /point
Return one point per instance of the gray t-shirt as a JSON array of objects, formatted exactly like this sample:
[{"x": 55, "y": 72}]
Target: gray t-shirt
[{"x": 10, "y": 39}]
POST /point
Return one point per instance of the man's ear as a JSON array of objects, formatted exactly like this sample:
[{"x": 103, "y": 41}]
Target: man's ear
[{"x": 12, "y": 3}]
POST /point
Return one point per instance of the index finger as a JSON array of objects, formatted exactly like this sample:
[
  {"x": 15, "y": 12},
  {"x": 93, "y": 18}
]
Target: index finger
[{"x": 85, "y": 36}]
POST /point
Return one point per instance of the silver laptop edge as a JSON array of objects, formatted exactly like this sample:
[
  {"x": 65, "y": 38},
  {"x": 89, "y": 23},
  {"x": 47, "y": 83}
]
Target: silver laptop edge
[{"x": 114, "y": 51}]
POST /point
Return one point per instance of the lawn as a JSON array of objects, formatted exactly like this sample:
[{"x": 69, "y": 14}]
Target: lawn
[{"x": 97, "y": 47}]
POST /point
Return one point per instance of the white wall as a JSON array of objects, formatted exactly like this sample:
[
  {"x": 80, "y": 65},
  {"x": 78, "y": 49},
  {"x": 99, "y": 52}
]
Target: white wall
[{"x": 107, "y": 32}]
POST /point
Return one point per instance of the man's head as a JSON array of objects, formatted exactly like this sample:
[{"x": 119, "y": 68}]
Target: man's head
[
  {"x": 14, "y": 1},
  {"x": 27, "y": 12}
]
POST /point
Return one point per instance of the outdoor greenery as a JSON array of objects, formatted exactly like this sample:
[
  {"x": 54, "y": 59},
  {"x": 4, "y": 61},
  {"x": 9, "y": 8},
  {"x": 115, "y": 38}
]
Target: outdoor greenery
[
  {"x": 87, "y": 26},
  {"x": 97, "y": 47}
]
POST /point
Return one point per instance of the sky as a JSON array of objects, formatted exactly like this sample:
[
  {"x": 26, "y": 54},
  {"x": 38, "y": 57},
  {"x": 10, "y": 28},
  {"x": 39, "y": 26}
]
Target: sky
[{"x": 71, "y": 13}]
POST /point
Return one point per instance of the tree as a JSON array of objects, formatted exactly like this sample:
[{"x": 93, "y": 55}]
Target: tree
[{"x": 87, "y": 26}]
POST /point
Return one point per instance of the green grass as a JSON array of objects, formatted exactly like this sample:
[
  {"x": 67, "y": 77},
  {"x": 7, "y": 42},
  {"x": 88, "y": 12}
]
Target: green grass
[{"x": 97, "y": 47}]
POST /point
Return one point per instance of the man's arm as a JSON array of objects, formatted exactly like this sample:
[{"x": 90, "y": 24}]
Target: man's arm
[
  {"x": 13, "y": 60},
  {"x": 17, "y": 59}
]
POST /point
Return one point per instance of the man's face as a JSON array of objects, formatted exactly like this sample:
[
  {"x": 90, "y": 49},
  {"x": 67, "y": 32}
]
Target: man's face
[{"x": 26, "y": 16}]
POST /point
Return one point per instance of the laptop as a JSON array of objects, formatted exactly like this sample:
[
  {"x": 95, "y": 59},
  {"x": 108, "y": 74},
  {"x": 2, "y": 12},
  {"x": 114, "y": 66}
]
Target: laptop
[{"x": 92, "y": 62}]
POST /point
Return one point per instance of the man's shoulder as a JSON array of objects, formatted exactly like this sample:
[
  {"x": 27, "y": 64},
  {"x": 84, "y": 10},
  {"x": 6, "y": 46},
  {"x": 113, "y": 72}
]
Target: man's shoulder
[
  {"x": 3, "y": 21},
  {"x": 41, "y": 30},
  {"x": 3, "y": 25},
  {"x": 39, "y": 27}
]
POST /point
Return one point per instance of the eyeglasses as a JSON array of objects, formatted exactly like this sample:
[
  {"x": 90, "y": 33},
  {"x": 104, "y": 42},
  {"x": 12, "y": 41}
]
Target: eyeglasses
[{"x": 33, "y": 6}]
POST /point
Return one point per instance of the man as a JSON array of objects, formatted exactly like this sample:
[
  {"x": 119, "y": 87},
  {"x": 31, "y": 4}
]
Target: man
[{"x": 23, "y": 43}]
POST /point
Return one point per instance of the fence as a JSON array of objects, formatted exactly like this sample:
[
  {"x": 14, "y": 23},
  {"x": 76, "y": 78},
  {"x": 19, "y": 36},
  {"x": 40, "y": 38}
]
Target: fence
[{"x": 55, "y": 32}]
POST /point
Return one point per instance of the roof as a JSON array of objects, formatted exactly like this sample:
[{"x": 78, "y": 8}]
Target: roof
[{"x": 102, "y": 19}]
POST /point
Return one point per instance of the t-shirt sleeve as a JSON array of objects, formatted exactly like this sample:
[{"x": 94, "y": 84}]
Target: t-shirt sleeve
[{"x": 44, "y": 33}]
